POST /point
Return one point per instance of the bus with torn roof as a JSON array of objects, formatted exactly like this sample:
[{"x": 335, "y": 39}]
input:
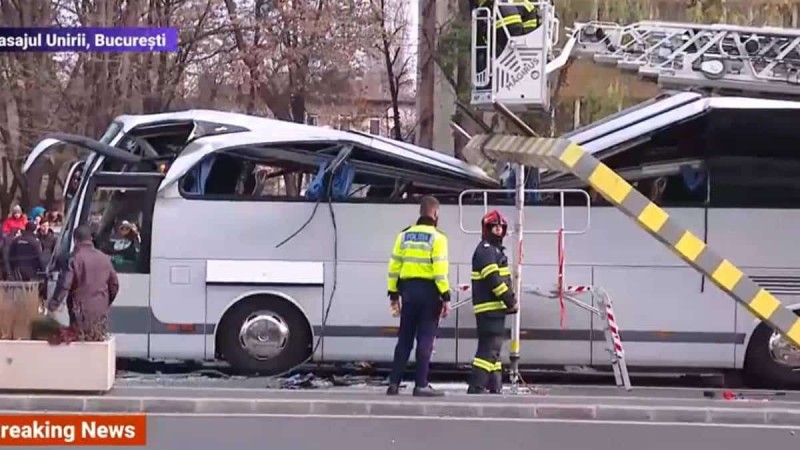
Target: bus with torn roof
[{"x": 241, "y": 253}]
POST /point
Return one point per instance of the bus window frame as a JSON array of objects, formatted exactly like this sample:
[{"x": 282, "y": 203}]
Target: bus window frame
[{"x": 120, "y": 180}]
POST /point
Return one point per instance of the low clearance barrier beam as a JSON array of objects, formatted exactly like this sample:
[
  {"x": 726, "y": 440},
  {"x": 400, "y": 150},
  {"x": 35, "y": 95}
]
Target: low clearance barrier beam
[{"x": 565, "y": 156}]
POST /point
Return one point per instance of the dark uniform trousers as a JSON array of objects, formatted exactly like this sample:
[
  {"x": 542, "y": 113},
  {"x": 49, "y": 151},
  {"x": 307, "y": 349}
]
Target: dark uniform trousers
[
  {"x": 419, "y": 316},
  {"x": 487, "y": 369}
]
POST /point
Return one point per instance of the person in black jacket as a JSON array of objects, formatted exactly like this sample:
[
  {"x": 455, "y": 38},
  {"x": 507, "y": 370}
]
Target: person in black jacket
[
  {"x": 24, "y": 260},
  {"x": 492, "y": 300},
  {"x": 48, "y": 239}
]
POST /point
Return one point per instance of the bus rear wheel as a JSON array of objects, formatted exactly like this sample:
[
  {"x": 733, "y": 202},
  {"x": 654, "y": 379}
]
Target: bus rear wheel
[
  {"x": 264, "y": 335},
  {"x": 770, "y": 362}
]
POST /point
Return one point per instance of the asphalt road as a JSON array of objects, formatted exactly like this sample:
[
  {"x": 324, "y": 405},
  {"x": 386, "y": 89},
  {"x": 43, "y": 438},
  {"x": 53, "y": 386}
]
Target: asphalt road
[{"x": 329, "y": 433}]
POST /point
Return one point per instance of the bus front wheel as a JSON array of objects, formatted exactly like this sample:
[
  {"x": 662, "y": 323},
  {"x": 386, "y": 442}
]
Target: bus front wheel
[
  {"x": 771, "y": 361},
  {"x": 264, "y": 335}
]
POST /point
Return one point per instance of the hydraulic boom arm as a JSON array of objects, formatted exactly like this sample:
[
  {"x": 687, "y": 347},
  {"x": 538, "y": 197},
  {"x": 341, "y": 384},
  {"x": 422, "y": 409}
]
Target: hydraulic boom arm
[
  {"x": 721, "y": 58},
  {"x": 724, "y": 59}
]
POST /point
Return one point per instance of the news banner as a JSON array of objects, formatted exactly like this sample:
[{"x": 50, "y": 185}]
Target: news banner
[
  {"x": 73, "y": 429},
  {"x": 116, "y": 39}
]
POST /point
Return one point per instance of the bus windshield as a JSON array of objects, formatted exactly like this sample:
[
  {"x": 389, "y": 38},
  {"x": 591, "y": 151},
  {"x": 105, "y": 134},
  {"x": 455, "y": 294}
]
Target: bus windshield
[{"x": 72, "y": 185}]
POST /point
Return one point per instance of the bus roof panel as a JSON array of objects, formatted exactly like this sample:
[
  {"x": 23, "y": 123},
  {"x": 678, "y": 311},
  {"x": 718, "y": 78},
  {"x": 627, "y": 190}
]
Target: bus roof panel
[
  {"x": 642, "y": 119},
  {"x": 634, "y": 114},
  {"x": 266, "y": 131},
  {"x": 202, "y": 147}
]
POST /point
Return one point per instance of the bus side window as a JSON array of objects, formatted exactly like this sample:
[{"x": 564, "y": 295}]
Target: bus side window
[{"x": 230, "y": 177}]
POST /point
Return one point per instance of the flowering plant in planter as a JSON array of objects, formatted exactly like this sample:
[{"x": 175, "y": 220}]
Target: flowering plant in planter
[{"x": 23, "y": 317}]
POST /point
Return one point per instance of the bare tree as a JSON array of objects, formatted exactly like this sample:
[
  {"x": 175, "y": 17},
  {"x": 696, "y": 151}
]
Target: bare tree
[
  {"x": 310, "y": 44},
  {"x": 81, "y": 92},
  {"x": 390, "y": 20}
]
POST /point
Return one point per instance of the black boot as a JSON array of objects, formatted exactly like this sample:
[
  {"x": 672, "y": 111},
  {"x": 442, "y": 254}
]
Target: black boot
[
  {"x": 496, "y": 383},
  {"x": 475, "y": 390},
  {"x": 393, "y": 389},
  {"x": 427, "y": 391}
]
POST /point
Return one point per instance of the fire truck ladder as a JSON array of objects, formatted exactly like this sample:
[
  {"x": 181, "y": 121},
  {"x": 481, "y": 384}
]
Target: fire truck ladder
[
  {"x": 521, "y": 71},
  {"x": 719, "y": 58}
]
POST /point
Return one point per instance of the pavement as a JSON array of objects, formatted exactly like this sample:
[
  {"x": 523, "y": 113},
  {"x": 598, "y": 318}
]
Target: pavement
[
  {"x": 598, "y": 404},
  {"x": 411, "y": 433}
]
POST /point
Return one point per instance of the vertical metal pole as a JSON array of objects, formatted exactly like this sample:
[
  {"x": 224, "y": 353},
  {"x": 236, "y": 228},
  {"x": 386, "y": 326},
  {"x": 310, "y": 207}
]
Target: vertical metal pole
[
  {"x": 518, "y": 230},
  {"x": 563, "y": 238}
]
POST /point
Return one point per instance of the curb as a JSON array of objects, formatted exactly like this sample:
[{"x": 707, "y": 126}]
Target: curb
[{"x": 425, "y": 407}]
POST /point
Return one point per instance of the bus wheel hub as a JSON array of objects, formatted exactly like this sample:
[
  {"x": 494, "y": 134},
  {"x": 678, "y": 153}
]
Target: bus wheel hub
[
  {"x": 783, "y": 351},
  {"x": 264, "y": 335}
]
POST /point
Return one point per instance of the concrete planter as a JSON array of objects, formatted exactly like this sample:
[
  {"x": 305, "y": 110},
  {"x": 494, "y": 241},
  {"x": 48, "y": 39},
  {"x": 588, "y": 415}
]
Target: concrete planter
[{"x": 37, "y": 365}]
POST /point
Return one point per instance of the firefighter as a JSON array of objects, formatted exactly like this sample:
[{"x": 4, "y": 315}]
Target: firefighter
[
  {"x": 492, "y": 300},
  {"x": 418, "y": 275},
  {"x": 518, "y": 20}
]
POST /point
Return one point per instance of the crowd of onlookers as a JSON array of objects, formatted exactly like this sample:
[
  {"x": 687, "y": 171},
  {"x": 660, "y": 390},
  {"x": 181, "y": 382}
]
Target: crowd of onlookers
[
  {"x": 88, "y": 284},
  {"x": 28, "y": 241}
]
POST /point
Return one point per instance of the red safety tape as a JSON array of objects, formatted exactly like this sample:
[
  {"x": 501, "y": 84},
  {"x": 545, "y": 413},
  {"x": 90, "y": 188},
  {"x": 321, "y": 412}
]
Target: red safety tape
[{"x": 561, "y": 277}]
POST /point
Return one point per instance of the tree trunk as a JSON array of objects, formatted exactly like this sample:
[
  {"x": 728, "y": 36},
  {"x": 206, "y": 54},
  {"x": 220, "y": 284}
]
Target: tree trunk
[{"x": 426, "y": 78}]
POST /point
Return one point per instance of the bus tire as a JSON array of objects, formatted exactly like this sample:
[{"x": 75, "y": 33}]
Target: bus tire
[
  {"x": 760, "y": 369},
  {"x": 264, "y": 316}
]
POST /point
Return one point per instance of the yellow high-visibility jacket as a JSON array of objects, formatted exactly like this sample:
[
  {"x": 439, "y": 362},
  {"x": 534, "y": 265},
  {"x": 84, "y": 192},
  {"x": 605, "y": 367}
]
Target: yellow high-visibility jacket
[{"x": 420, "y": 251}]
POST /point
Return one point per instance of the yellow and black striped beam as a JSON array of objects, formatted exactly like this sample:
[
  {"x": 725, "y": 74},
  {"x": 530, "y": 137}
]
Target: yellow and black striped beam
[{"x": 564, "y": 156}]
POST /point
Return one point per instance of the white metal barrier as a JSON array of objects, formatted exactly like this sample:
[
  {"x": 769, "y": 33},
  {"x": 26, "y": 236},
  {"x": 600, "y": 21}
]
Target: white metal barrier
[{"x": 561, "y": 193}]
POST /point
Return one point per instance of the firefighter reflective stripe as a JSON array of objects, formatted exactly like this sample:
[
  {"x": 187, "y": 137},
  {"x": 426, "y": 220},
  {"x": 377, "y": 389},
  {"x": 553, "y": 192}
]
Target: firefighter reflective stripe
[
  {"x": 420, "y": 252},
  {"x": 485, "y": 272},
  {"x": 500, "y": 289},
  {"x": 511, "y": 19},
  {"x": 530, "y": 21},
  {"x": 487, "y": 365},
  {"x": 489, "y": 306},
  {"x": 529, "y": 7}
]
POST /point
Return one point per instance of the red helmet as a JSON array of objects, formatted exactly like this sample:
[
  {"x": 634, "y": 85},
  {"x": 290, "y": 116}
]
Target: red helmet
[{"x": 492, "y": 218}]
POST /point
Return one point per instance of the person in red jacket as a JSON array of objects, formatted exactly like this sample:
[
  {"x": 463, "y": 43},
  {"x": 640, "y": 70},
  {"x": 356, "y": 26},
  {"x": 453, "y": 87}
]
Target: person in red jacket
[{"x": 16, "y": 221}]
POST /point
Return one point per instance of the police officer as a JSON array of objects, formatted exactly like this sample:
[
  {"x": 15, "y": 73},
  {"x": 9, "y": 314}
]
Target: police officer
[
  {"x": 418, "y": 274},
  {"x": 24, "y": 259},
  {"x": 492, "y": 300}
]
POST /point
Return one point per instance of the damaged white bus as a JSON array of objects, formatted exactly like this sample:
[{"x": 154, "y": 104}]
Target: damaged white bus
[{"x": 238, "y": 258}]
